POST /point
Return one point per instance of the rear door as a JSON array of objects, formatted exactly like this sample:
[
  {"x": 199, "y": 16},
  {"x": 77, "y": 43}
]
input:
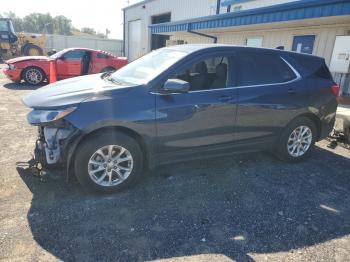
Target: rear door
[
  {"x": 70, "y": 64},
  {"x": 270, "y": 92}
]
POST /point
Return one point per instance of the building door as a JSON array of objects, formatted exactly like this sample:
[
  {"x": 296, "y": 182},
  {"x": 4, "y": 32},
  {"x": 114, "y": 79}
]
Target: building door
[
  {"x": 134, "y": 41},
  {"x": 303, "y": 44},
  {"x": 159, "y": 41}
]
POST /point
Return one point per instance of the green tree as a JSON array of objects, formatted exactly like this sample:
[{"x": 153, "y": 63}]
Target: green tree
[
  {"x": 37, "y": 23},
  {"x": 62, "y": 25},
  {"x": 88, "y": 30},
  {"x": 16, "y": 21}
]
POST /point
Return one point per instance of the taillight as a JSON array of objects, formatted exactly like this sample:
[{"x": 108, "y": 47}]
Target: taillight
[{"x": 335, "y": 89}]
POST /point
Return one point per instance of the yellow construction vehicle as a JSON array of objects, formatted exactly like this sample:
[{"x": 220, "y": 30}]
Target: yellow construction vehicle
[{"x": 12, "y": 44}]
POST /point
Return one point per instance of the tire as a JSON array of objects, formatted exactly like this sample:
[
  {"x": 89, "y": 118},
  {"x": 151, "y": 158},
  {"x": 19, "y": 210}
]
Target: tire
[
  {"x": 33, "y": 76},
  {"x": 288, "y": 141},
  {"x": 32, "y": 50},
  {"x": 90, "y": 152},
  {"x": 108, "y": 69}
]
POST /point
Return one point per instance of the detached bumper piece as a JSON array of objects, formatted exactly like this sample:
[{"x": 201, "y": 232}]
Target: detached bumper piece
[{"x": 50, "y": 148}]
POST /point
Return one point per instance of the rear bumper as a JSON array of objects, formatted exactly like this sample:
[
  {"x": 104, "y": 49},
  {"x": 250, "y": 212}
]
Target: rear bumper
[{"x": 13, "y": 75}]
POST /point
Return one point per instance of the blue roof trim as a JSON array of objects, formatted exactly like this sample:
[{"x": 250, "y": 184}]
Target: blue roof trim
[{"x": 304, "y": 9}]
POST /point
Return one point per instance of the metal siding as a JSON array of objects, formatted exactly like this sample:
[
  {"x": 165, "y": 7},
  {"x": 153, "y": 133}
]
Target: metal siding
[
  {"x": 287, "y": 12},
  {"x": 325, "y": 37},
  {"x": 60, "y": 42},
  {"x": 180, "y": 9}
]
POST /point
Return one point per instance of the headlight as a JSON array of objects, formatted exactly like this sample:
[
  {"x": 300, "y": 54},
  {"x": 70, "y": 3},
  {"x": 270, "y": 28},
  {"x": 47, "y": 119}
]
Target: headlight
[
  {"x": 37, "y": 117},
  {"x": 11, "y": 67}
]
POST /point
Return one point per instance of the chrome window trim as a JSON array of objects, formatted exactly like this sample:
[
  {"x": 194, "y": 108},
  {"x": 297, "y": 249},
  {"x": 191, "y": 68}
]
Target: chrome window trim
[{"x": 297, "y": 78}]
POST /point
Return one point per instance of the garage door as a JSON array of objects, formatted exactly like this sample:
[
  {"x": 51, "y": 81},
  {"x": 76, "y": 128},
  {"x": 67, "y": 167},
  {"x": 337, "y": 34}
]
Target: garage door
[{"x": 134, "y": 41}]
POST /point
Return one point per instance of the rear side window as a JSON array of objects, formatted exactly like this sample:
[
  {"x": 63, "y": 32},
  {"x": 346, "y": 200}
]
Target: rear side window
[
  {"x": 260, "y": 69},
  {"x": 102, "y": 55}
]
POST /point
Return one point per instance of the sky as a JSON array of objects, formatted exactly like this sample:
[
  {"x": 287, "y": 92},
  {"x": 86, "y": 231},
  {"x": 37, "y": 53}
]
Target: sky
[{"x": 83, "y": 13}]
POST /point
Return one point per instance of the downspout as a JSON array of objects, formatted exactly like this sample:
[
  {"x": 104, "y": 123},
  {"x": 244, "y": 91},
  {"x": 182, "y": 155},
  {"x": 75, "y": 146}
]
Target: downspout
[
  {"x": 218, "y": 4},
  {"x": 124, "y": 33},
  {"x": 205, "y": 35}
]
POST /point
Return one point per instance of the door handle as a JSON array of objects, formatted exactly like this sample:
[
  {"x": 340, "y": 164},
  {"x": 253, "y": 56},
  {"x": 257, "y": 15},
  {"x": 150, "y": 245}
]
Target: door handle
[
  {"x": 225, "y": 98},
  {"x": 291, "y": 91}
]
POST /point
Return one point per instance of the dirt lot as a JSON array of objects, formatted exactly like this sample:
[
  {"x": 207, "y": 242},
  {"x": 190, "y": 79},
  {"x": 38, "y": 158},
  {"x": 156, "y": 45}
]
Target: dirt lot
[{"x": 245, "y": 207}]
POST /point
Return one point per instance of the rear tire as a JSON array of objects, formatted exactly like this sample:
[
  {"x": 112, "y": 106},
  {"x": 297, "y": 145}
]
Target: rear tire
[
  {"x": 98, "y": 168},
  {"x": 297, "y": 140}
]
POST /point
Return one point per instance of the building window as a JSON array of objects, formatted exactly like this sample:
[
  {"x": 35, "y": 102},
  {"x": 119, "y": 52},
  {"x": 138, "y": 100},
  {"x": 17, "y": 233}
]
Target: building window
[{"x": 255, "y": 41}]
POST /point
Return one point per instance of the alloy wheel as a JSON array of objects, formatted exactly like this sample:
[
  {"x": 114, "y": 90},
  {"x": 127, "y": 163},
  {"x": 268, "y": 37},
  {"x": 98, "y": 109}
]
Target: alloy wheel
[
  {"x": 110, "y": 165},
  {"x": 33, "y": 76},
  {"x": 299, "y": 141}
]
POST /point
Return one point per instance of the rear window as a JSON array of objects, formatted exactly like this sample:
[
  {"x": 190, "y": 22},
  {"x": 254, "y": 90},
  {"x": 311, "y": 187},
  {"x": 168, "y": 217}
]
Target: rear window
[
  {"x": 259, "y": 69},
  {"x": 313, "y": 65}
]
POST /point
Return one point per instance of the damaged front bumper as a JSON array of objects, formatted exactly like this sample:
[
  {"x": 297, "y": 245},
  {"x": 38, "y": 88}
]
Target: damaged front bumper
[
  {"x": 54, "y": 143},
  {"x": 55, "y": 135}
]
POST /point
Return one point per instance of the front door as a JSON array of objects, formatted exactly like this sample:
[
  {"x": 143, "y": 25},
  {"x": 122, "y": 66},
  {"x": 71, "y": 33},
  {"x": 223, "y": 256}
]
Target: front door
[
  {"x": 70, "y": 64},
  {"x": 204, "y": 117}
]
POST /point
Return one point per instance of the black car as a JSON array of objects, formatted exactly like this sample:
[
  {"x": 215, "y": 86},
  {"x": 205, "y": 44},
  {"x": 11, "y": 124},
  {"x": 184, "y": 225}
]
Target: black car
[{"x": 180, "y": 103}]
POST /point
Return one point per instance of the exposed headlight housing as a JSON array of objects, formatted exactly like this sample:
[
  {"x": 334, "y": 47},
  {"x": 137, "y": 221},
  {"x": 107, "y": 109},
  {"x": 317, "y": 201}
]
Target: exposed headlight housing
[
  {"x": 42, "y": 117},
  {"x": 11, "y": 66}
]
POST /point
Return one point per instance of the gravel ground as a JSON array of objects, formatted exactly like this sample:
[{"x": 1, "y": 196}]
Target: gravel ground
[{"x": 244, "y": 208}]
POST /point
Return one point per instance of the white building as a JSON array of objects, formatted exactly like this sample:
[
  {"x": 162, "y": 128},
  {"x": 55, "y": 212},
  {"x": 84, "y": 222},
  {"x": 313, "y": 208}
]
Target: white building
[{"x": 309, "y": 26}]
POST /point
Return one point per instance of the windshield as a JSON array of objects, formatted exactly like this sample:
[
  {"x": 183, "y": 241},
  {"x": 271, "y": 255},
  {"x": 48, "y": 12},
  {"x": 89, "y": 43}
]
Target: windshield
[
  {"x": 3, "y": 25},
  {"x": 58, "y": 54},
  {"x": 144, "y": 69}
]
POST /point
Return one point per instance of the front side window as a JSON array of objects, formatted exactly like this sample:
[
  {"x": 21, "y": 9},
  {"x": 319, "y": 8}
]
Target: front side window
[
  {"x": 74, "y": 55},
  {"x": 260, "y": 69},
  {"x": 207, "y": 74},
  {"x": 3, "y": 25}
]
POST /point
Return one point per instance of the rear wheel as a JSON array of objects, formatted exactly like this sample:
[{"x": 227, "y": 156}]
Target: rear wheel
[
  {"x": 108, "y": 162},
  {"x": 297, "y": 140},
  {"x": 32, "y": 50},
  {"x": 33, "y": 76}
]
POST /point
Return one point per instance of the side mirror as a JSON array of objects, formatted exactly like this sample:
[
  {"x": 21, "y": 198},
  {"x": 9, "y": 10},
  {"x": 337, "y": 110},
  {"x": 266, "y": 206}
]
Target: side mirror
[
  {"x": 175, "y": 86},
  {"x": 50, "y": 53}
]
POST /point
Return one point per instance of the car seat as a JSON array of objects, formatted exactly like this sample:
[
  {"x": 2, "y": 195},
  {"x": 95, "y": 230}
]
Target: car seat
[
  {"x": 221, "y": 77},
  {"x": 199, "y": 81}
]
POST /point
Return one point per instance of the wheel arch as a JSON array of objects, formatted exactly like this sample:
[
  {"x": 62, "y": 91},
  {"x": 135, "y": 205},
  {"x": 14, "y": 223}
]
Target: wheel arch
[
  {"x": 128, "y": 131},
  {"x": 314, "y": 118}
]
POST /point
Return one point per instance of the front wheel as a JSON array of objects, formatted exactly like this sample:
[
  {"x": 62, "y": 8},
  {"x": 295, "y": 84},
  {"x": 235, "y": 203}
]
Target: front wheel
[
  {"x": 297, "y": 140},
  {"x": 108, "y": 162},
  {"x": 33, "y": 76}
]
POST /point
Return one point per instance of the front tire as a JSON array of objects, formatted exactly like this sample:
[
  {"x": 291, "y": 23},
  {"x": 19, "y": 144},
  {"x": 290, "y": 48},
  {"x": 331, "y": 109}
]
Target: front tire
[
  {"x": 297, "y": 140},
  {"x": 108, "y": 162},
  {"x": 33, "y": 76}
]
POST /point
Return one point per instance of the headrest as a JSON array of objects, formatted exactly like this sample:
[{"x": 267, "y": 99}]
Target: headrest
[
  {"x": 221, "y": 71},
  {"x": 201, "y": 68}
]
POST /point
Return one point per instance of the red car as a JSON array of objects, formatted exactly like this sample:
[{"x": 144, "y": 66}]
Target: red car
[{"x": 69, "y": 62}]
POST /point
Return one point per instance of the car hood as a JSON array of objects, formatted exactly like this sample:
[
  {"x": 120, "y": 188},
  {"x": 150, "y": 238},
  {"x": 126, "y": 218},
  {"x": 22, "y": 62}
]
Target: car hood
[
  {"x": 27, "y": 58},
  {"x": 69, "y": 92}
]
